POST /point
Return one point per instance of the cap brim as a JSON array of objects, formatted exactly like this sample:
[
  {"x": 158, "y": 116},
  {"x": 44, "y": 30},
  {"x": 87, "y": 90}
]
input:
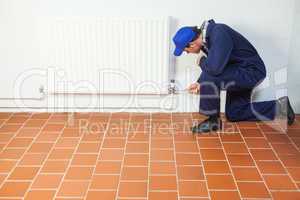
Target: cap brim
[{"x": 178, "y": 52}]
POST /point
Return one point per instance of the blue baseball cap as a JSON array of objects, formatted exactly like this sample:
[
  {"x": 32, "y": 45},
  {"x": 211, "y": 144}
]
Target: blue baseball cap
[{"x": 182, "y": 38}]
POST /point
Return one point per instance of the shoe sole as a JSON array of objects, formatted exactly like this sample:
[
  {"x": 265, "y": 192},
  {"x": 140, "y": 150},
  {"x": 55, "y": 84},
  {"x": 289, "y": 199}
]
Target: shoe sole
[
  {"x": 290, "y": 113},
  {"x": 207, "y": 131}
]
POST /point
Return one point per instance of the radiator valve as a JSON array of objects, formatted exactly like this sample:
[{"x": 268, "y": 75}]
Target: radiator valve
[{"x": 172, "y": 88}]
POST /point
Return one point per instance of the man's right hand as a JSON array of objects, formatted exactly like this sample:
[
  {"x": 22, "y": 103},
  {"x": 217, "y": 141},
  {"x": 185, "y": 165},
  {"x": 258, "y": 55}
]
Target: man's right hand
[{"x": 194, "y": 88}]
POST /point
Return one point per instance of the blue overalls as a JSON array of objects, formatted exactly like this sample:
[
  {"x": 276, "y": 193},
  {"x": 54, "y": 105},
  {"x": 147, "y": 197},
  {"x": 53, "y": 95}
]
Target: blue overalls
[{"x": 234, "y": 65}]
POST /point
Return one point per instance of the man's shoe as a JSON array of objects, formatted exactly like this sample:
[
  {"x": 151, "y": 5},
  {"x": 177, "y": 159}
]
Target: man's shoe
[
  {"x": 208, "y": 125},
  {"x": 285, "y": 109}
]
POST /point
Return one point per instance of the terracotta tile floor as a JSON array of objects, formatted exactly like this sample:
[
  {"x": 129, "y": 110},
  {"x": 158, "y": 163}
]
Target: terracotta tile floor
[{"x": 145, "y": 156}]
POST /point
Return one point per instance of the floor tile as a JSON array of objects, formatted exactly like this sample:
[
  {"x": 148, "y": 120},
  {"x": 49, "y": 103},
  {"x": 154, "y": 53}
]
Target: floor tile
[
  {"x": 84, "y": 159},
  {"x": 246, "y": 174},
  {"x": 40, "y": 194},
  {"x": 263, "y": 154},
  {"x": 209, "y": 143},
  {"x": 143, "y": 156},
  {"x": 55, "y": 166},
  {"x": 253, "y": 132},
  {"x": 79, "y": 173},
  {"x": 105, "y": 182},
  {"x": 220, "y": 195},
  {"x": 270, "y": 167},
  {"x": 188, "y": 147},
  {"x": 231, "y": 137},
  {"x": 220, "y": 182},
  {"x": 163, "y": 183},
  {"x": 23, "y": 173},
  {"x": 61, "y": 154},
  {"x": 136, "y": 160},
  {"x": 65, "y": 142},
  {"x": 290, "y": 160},
  {"x": 257, "y": 143},
  {"x": 108, "y": 167},
  {"x": 114, "y": 143},
  {"x": 285, "y": 149},
  {"x": 134, "y": 173},
  {"x": 7, "y": 165},
  {"x": 295, "y": 173},
  {"x": 111, "y": 154},
  {"x": 162, "y": 168},
  {"x": 133, "y": 189},
  {"x": 162, "y": 144},
  {"x": 20, "y": 143},
  {"x": 192, "y": 189},
  {"x": 190, "y": 173},
  {"x": 293, "y": 195},
  {"x": 33, "y": 159},
  {"x": 232, "y": 148},
  {"x": 137, "y": 147},
  {"x": 162, "y": 155},
  {"x": 14, "y": 189},
  {"x": 253, "y": 190},
  {"x": 163, "y": 195},
  {"x": 188, "y": 159},
  {"x": 279, "y": 182},
  {"x": 47, "y": 181},
  {"x": 216, "y": 167},
  {"x": 96, "y": 195},
  {"x": 212, "y": 154},
  {"x": 12, "y": 154},
  {"x": 40, "y": 147},
  {"x": 240, "y": 160},
  {"x": 88, "y": 148},
  {"x": 73, "y": 188}
]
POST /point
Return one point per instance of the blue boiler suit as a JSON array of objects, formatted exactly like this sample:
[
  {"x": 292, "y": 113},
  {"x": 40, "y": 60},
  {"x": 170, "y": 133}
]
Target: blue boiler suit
[{"x": 234, "y": 65}]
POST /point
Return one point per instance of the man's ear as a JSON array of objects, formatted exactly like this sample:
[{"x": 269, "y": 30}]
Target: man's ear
[{"x": 192, "y": 44}]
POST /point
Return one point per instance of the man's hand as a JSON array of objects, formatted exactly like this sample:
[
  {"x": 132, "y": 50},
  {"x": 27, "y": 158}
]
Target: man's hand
[{"x": 194, "y": 88}]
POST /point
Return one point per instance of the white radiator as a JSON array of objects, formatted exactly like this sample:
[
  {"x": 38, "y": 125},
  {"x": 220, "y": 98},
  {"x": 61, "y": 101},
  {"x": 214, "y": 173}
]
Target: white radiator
[{"x": 126, "y": 55}]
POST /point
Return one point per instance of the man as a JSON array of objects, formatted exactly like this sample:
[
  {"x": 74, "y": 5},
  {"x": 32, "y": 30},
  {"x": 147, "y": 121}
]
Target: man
[{"x": 228, "y": 61}]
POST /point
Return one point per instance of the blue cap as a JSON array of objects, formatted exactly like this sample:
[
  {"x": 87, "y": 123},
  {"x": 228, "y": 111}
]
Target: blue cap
[{"x": 182, "y": 38}]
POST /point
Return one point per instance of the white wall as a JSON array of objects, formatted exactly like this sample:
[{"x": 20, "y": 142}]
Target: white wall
[
  {"x": 266, "y": 23},
  {"x": 294, "y": 63}
]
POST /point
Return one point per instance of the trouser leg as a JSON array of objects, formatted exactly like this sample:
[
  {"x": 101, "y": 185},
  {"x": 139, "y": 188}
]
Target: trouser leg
[
  {"x": 239, "y": 84},
  {"x": 209, "y": 104},
  {"x": 240, "y": 108}
]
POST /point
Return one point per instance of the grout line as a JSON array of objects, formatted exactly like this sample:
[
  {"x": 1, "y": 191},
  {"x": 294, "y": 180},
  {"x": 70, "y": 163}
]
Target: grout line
[
  {"x": 255, "y": 163},
  {"x": 277, "y": 156},
  {"x": 149, "y": 156},
  {"x": 175, "y": 159},
  {"x": 69, "y": 160},
  {"x": 123, "y": 159},
  {"x": 47, "y": 156},
  {"x": 98, "y": 155},
  {"x": 230, "y": 167},
  {"x": 14, "y": 133},
  {"x": 26, "y": 149},
  {"x": 202, "y": 164}
]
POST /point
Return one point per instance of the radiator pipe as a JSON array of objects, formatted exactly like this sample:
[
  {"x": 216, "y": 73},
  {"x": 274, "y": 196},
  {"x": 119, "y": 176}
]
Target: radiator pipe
[
  {"x": 41, "y": 98},
  {"x": 171, "y": 91},
  {"x": 107, "y": 94},
  {"x": 66, "y": 108}
]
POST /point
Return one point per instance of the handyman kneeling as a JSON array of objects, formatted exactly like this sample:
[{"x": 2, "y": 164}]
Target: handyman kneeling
[{"x": 227, "y": 59}]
